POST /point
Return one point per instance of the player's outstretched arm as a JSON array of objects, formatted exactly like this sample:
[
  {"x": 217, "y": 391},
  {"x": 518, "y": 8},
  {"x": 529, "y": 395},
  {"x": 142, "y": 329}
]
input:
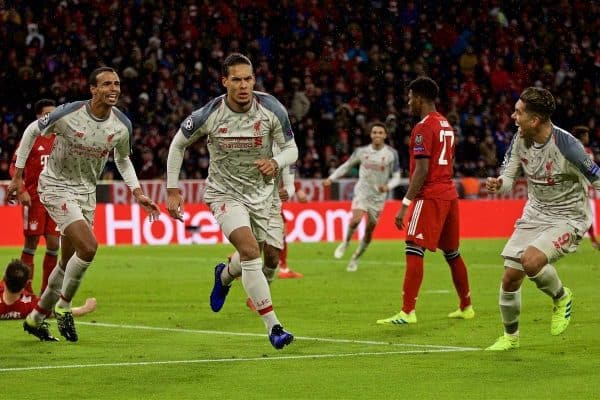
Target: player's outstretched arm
[{"x": 88, "y": 307}]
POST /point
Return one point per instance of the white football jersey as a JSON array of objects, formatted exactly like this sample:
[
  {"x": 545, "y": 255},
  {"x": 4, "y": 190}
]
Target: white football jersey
[
  {"x": 376, "y": 168},
  {"x": 557, "y": 173},
  {"x": 82, "y": 145},
  {"x": 235, "y": 142}
]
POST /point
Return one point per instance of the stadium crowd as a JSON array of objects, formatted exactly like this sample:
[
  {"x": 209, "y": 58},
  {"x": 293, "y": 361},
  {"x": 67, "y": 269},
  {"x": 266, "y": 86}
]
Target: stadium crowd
[{"x": 337, "y": 66}]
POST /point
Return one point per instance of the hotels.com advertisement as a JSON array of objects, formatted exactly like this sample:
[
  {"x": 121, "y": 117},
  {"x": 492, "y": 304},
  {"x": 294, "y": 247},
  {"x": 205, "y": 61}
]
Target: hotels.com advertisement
[{"x": 310, "y": 222}]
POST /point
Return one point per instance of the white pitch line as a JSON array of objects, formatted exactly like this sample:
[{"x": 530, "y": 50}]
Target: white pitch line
[
  {"x": 208, "y": 332},
  {"x": 228, "y": 360}
]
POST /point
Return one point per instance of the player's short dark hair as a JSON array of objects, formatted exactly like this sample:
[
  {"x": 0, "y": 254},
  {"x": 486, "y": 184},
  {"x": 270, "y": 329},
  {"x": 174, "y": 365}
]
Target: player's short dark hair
[
  {"x": 93, "y": 79},
  {"x": 378, "y": 123},
  {"x": 234, "y": 59},
  {"x": 424, "y": 87},
  {"x": 16, "y": 275},
  {"x": 538, "y": 101},
  {"x": 41, "y": 104},
  {"x": 580, "y": 130}
]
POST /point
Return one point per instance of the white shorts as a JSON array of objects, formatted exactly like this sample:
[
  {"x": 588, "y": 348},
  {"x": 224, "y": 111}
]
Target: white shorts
[
  {"x": 231, "y": 214},
  {"x": 372, "y": 208},
  {"x": 65, "y": 207},
  {"x": 555, "y": 241}
]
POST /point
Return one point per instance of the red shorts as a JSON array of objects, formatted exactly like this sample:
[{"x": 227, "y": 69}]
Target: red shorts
[
  {"x": 37, "y": 222},
  {"x": 433, "y": 224}
]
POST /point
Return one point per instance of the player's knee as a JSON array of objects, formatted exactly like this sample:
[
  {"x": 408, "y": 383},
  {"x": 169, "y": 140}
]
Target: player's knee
[
  {"x": 87, "y": 250},
  {"x": 31, "y": 242},
  {"x": 414, "y": 250},
  {"x": 450, "y": 255},
  {"x": 271, "y": 257},
  {"x": 248, "y": 251},
  {"x": 533, "y": 260},
  {"x": 512, "y": 279},
  {"x": 52, "y": 243},
  {"x": 354, "y": 222}
]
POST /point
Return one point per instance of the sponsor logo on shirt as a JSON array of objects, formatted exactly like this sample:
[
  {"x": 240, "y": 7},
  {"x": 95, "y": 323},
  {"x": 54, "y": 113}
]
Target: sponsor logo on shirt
[
  {"x": 87, "y": 151},
  {"x": 373, "y": 166},
  {"x": 240, "y": 143}
]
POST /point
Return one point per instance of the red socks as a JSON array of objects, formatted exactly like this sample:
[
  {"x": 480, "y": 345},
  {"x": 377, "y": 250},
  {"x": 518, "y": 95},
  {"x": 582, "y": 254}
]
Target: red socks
[
  {"x": 412, "y": 282},
  {"x": 461, "y": 281}
]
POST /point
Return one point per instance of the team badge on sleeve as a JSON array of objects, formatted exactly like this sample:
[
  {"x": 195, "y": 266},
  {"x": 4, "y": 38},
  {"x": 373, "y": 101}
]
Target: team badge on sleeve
[
  {"x": 45, "y": 119},
  {"x": 188, "y": 124},
  {"x": 419, "y": 143}
]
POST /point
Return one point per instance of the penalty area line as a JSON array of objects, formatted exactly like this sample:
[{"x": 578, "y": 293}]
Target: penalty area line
[
  {"x": 230, "y": 360},
  {"x": 317, "y": 339}
]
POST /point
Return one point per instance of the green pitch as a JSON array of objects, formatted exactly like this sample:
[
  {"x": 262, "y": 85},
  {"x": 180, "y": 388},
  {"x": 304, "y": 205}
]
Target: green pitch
[{"x": 153, "y": 335}]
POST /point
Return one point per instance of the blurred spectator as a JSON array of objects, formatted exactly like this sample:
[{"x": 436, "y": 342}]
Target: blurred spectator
[
  {"x": 487, "y": 152},
  {"x": 148, "y": 169},
  {"x": 469, "y": 185},
  {"x": 339, "y": 65}
]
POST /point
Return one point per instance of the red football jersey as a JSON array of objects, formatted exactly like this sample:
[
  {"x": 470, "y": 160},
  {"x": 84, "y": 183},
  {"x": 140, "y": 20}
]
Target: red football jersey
[
  {"x": 20, "y": 308},
  {"x": 433, "y": 137},
  {"x": 35, "y": 163}
]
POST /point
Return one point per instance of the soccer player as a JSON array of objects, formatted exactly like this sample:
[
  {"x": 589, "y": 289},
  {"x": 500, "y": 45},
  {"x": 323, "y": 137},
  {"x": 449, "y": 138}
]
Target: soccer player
[
  {"x": 433, "y": 220},
  {"x": 16, "y": 302},
  {"x": 86, "y": 132},
  {"x": 36, "y": 221},
  {"x": 379, "y": 172},
  {"x": 583, "y": 134},
  {"x": 556, "y": 216},
  {"x": 241, "y": 126}
]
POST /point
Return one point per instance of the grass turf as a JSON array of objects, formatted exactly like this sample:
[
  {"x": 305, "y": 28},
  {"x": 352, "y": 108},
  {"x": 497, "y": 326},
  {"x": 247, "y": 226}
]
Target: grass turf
[{"x": 153, "y": 335}]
